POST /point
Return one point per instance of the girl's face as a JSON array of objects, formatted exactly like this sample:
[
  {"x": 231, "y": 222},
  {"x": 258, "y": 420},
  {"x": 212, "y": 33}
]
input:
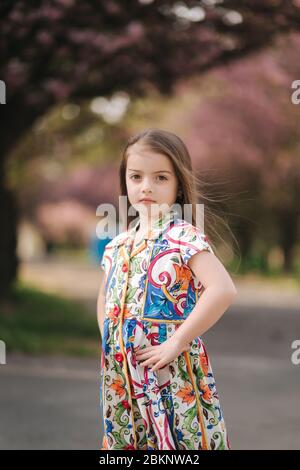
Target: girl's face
[{"x": 150, "y": 176}]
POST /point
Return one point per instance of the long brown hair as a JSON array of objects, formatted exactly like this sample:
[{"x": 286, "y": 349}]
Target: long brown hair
[{"x": 189, "y": 185}]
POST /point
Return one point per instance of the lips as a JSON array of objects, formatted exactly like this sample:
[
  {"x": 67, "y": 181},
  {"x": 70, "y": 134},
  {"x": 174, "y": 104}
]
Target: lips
[{"x": 146, "y": 200}]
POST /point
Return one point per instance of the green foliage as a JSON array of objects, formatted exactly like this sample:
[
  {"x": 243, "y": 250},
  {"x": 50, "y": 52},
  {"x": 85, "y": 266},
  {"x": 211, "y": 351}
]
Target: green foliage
[
  {"x": 36, "y": 323},
  {"x": 257, "y": 264}
]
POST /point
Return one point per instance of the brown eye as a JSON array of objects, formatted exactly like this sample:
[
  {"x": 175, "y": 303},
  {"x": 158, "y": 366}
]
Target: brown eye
[{"x": 163, "y": 177}]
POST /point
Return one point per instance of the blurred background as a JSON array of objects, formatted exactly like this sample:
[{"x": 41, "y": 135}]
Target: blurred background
[{"x": 80, "y": 79}]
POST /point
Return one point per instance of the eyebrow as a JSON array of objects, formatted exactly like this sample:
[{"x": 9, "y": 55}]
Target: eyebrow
[{"x": 159, "y": 171}]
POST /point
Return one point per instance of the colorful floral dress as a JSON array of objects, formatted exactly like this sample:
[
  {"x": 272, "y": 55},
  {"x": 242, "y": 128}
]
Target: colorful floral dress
[{"x": 150, "y": 290}]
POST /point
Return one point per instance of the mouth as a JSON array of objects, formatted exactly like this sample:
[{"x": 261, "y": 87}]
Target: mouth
[{"x": 146, "y": 200}]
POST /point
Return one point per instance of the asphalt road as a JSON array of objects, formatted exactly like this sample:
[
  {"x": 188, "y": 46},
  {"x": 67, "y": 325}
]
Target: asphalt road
[{"x": 53, "y": 403}]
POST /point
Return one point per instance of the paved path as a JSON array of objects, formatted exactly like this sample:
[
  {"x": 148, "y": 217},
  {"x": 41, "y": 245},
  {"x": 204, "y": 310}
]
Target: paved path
[
  {"x": 49, "y": 403},
  {"x": 53, "y": 403},
  {"x": 74, "y": 279},
  {"x": 80, "y": 280}
]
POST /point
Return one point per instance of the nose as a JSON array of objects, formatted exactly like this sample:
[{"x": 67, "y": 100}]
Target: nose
[{"x": 146, "y": 188}]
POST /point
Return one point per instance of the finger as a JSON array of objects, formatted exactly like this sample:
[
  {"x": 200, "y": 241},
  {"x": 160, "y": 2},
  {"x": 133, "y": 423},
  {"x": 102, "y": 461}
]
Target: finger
[
  {"x": 158, "y": 365},
  {"x": 147, "y": 349},
  {"x": 143, "y": 356},
  {"x": 149, "y": 361}
]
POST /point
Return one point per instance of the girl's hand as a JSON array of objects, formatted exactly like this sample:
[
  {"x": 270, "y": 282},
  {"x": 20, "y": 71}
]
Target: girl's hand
[{"x": 162, "y": 354}]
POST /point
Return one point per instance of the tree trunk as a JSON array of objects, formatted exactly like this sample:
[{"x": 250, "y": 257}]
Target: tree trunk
[
  {"x": 8, "y": 241},
  {"x": 15, "y": 120},
  {"x": 244, "y": 235},
  {"x": 288, "y": 237}
]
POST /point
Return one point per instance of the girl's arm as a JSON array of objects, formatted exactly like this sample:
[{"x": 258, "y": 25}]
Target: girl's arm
[
  {"x": 101, "y": 305},
  {"x": 219, "y": 293}
]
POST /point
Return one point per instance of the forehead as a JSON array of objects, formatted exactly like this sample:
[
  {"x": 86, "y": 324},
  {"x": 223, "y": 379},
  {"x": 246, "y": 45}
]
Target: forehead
[{"x": 144, "y": 159}]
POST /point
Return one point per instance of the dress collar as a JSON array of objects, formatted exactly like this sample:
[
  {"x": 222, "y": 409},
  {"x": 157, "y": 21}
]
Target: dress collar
[{"x": 158, "y": 225}]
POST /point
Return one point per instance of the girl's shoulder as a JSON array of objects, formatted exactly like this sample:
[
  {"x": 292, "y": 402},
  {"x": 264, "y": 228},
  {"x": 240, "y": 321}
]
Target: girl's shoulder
[
  {"x": 188, "y": 236},
  {"x": 187, "y": 228},
  {"x": 109, "y": 248}
]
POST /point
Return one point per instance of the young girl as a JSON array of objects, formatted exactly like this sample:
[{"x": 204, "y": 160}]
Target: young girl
[{"x": 163, "y": 289}]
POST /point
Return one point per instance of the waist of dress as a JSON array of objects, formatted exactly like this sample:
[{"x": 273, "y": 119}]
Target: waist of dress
[{"x": 140, "y": 318}]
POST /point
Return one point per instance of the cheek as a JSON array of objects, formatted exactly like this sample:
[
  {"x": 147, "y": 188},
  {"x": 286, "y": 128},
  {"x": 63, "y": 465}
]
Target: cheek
[
  {"x": 131, "y": 189},
  {"x": 170, "y": 190},
  {"x": 129, "y": 184}
]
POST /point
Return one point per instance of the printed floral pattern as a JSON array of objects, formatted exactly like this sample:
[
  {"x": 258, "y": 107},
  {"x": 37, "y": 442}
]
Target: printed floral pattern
[{"x": 150, "y": 290}]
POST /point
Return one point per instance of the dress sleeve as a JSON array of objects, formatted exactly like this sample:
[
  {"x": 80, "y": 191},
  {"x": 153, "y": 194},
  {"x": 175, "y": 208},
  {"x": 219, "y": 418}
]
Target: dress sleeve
[
  {"x": 106, "y": 253},
  {"x": 192, "y": 241},
  {"x": 102, "y": 262}
]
